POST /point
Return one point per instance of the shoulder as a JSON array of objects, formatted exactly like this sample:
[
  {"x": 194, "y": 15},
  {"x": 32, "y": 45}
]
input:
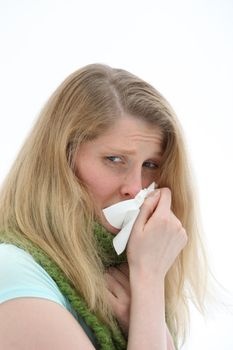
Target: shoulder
[
  {"x": 22, "y": 276},
  {"x": 25, "y": 285},
  {"x": 34, "y": 323}
]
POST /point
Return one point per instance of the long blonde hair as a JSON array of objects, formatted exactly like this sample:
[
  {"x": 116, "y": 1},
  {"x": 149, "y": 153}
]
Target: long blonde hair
[{"x": 43, "y": 200}]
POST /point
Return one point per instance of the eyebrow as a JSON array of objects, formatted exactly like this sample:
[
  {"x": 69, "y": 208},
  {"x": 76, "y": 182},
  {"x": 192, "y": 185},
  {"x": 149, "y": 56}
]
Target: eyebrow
[{"x": 131, "y": 151}]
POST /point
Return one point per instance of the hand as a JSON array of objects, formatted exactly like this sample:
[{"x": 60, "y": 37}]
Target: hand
[
  {"x": 117, "y": 279},
  {"x": 157, "y": 236}
]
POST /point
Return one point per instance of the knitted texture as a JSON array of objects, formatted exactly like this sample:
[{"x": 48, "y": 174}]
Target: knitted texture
[
  {"x": 106, "y": 250},
  {"x": 106, "y": 337}
]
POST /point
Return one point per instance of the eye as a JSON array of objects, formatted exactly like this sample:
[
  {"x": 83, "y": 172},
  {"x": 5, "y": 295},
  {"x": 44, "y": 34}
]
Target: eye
[
  {"x": 114, "y": 159},
  {"x": 150, "y": 165}
]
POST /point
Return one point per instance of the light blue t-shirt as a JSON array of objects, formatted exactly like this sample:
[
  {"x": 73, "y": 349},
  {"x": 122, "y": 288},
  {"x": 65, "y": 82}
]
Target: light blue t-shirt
[{"x": 22, "y": 276}]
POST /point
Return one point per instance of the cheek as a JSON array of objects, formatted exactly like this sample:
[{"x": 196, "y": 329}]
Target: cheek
[
  {"x": 100, "y": 184},
  {"x": 149, "y": 177},
  {"x": 102, "y": 189}
]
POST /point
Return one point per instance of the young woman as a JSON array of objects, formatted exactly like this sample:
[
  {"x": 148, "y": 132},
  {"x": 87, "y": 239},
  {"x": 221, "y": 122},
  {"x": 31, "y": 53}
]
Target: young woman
[{"x": 102, "y": 137}]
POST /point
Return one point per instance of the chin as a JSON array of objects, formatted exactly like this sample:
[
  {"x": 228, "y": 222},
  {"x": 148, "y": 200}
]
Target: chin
[
  {"x": 111, "y": 229},
  {"x": 108, "y": 226}
]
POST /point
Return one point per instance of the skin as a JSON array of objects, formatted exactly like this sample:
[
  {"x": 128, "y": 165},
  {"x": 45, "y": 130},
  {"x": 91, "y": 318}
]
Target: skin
[
  {"x": 111, "y": 174},
  {"x": 119, "y": 163}
]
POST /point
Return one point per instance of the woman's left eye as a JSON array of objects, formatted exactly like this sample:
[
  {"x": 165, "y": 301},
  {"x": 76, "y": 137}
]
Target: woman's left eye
[{"x": 150, "y": 165}]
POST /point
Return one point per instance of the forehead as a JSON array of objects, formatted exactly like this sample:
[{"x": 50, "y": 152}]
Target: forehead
[{"x": 127, "y": 131}]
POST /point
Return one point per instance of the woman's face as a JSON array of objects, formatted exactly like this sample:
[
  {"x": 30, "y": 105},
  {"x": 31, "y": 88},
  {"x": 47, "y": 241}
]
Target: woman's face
[{"x": 118, "y": 164}]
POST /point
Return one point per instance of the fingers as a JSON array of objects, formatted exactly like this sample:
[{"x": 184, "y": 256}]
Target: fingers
[
  {"x": 164, "y": 205},
  {"x": 148, "y": 208},
  {"x": 157, "y": 237},
  {"x": 118, "y": 282},
  {"x": 118, "y": 294},
  {"x": 124, "y": 268},
  {"x": 114, "y": 286},
  {"x": 159, "y": 200},
  {"x": 113, "y": 301}
]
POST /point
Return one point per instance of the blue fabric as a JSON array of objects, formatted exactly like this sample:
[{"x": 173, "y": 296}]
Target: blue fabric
[{"x": 22, "y": 276}]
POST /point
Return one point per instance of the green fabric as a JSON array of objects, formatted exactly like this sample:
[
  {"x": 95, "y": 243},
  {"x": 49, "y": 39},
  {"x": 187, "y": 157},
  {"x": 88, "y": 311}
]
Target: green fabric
[
  {"x": 106, "y": 338},
  {"x": 106, "y": 250}
]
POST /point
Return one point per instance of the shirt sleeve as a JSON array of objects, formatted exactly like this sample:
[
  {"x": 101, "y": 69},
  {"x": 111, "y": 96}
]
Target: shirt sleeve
[{"x": 22, "y": 276}]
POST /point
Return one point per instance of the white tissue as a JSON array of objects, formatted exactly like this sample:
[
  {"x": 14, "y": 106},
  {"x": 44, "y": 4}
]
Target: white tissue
[{"x": 122, "y": 215}]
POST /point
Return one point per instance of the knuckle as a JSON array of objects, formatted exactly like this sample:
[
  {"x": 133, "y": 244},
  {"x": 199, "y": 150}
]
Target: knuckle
[
  {"x": 179, "y": 225},
  {"x": 184, "y": 235},
  {"x": 164, "y": 220},
  {"x": 183, "y": 231}
]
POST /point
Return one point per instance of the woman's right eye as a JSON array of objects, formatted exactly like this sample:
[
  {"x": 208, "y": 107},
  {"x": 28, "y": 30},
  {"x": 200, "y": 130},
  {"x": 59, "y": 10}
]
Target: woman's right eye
[{"x": 114, "y": 159}]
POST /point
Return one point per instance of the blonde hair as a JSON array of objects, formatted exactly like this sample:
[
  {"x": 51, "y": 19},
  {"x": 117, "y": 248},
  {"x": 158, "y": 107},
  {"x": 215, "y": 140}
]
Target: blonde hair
[{"x": 43, "y": 199}]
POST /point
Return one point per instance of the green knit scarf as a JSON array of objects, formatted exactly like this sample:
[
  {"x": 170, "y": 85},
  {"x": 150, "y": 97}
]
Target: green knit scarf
[{"x": 106, "y": 337}]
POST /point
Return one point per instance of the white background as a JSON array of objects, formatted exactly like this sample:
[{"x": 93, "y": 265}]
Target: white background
[{"x": 183, "y": 48}]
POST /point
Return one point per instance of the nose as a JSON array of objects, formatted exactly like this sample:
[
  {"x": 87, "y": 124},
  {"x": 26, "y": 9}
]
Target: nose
[{"x": 131, "y": 185}]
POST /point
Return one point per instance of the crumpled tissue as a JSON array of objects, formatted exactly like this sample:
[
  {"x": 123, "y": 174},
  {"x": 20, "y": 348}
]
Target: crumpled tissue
[{"x": 122, "y": 215}]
